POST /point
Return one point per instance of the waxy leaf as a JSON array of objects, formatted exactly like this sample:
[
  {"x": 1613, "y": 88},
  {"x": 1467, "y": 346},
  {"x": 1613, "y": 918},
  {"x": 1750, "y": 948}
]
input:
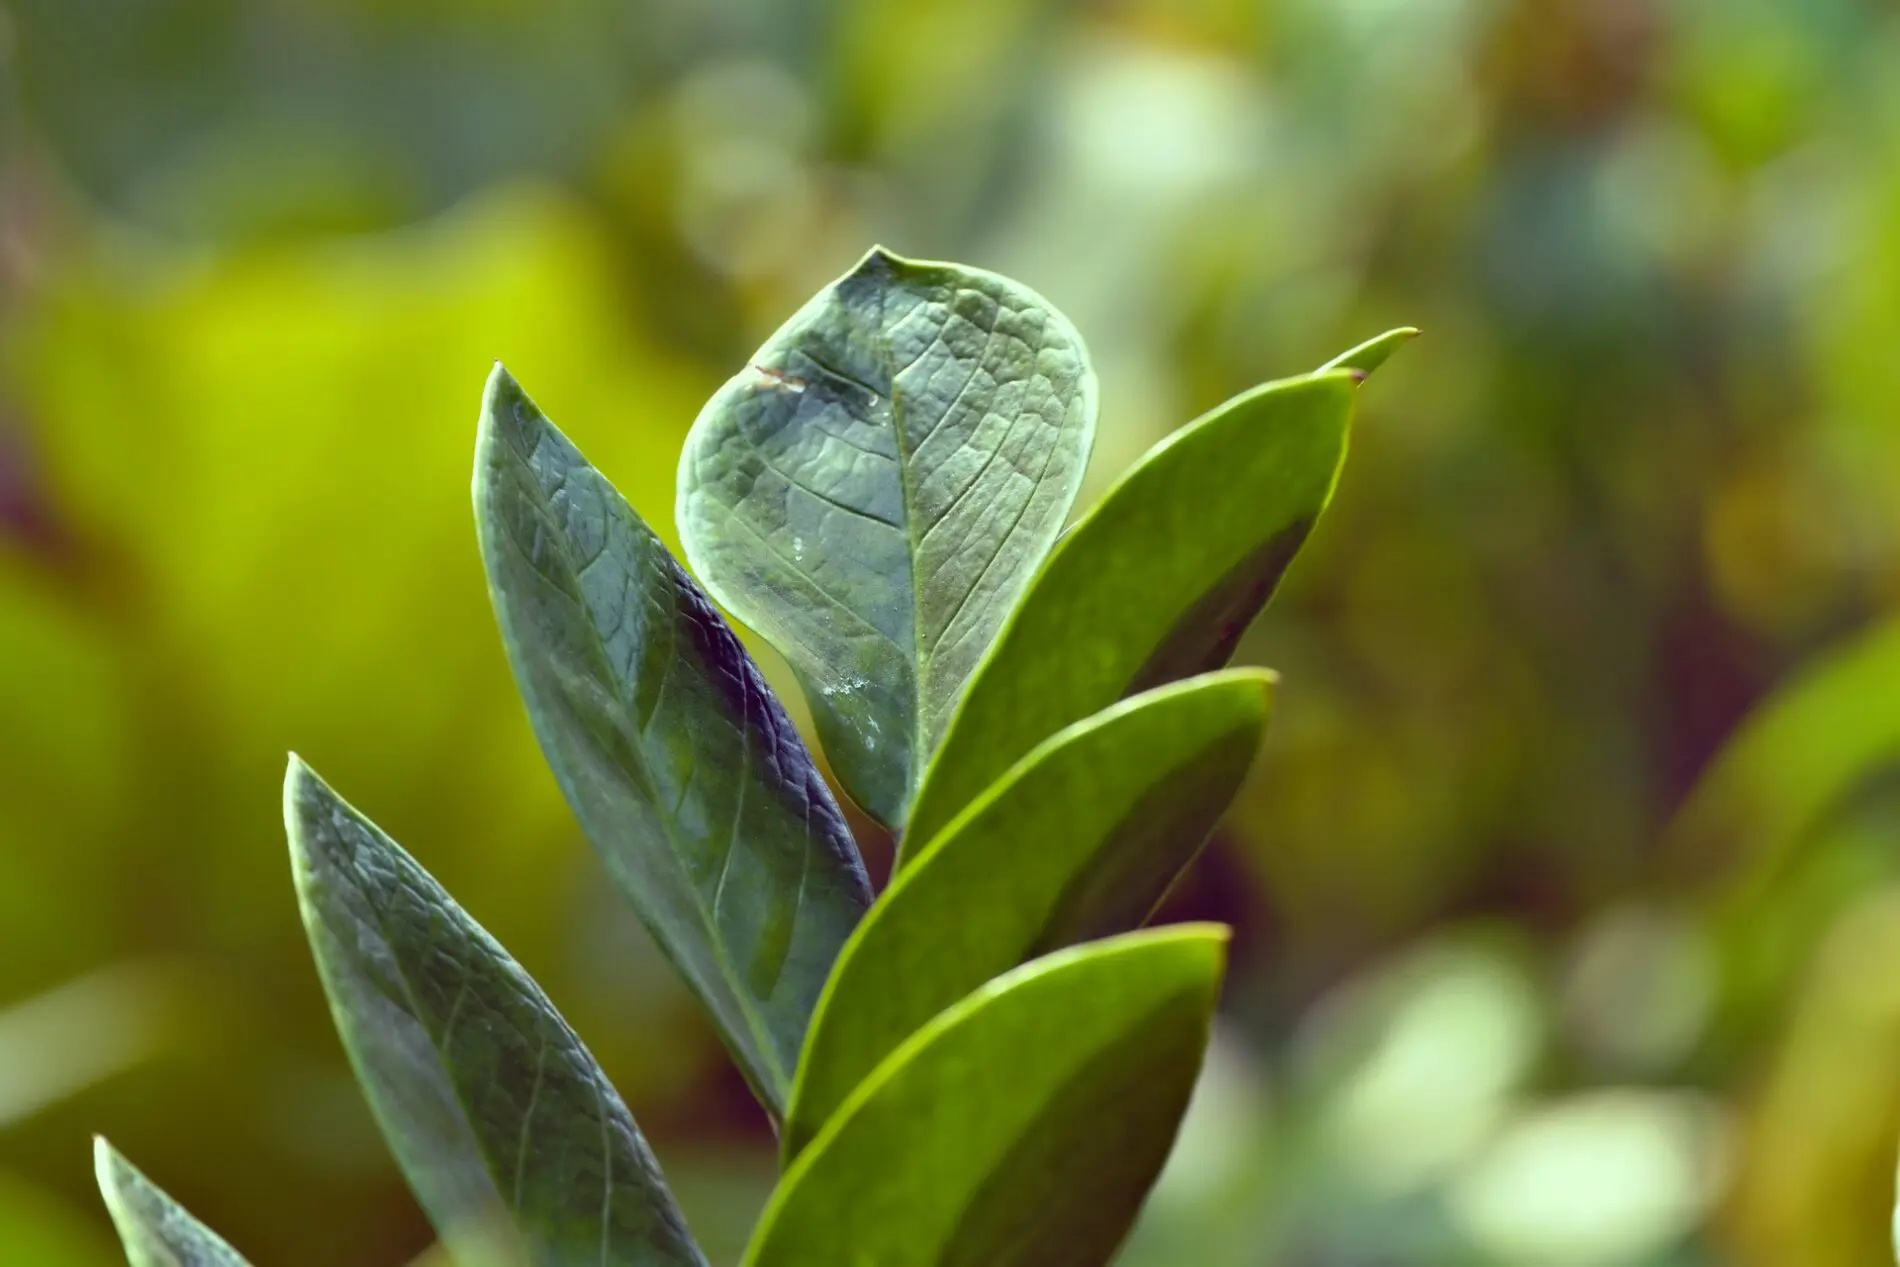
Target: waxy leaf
[
  {"x": 155, "y": 1230},
  {"x": 510, "y": 1135},
  {"x": 1020, "y": 1128},
  {"x": 1080, "y": 840},
  {"x": 1157, "y": 582},
  {"x": 875, "y": 489},
  {"x": 677, "y": 759}
]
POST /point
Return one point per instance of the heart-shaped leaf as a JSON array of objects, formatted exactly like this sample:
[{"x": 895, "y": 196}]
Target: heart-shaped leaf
[
  {"x": 1020, "y": 1128},
  {"x": 511, "y": 1136},
  {"x": 156, "y": 1230},
  {"x": 1156, "y": 582},
  {"x": 1081, "y": 839},
  {"x": 875, "y": 489},
  {"x": 677, "y": 759}
]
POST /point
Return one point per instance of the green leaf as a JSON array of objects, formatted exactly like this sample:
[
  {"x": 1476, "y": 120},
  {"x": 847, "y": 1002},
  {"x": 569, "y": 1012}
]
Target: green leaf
[
  {"x": 1157, "y": 582},
  {"x": 1371, "y": 354},
  {"x": 512, "y": 1138},
  {"x": 156, "y": 1230},
  {"x": 875, "y": 489},
  {"x": 1081, "y": 839},
  {"x": 1794, "y": 759},
  {"x": 1020, "y": 1128},
  {"x": 677, "y": 759}
]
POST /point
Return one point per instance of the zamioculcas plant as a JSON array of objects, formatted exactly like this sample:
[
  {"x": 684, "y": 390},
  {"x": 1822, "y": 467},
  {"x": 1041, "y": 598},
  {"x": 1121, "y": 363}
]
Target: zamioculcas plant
[{"x": 986, "y": 1064}]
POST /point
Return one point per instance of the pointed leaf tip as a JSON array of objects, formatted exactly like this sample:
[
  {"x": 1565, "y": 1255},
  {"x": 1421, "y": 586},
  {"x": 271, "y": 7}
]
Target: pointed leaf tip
[
  {"x": 1371, "y": 354},
  {"x": 1157, "y": 582},
  {"x": 155, "y": 1230}
]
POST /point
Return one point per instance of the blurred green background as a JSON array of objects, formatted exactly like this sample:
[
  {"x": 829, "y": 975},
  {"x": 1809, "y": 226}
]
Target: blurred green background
[{"x": 1536, "y": 968}]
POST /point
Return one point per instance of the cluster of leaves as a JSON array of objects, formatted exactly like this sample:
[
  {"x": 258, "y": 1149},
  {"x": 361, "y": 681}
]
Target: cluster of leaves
[{"x": 987, "y": 1062}]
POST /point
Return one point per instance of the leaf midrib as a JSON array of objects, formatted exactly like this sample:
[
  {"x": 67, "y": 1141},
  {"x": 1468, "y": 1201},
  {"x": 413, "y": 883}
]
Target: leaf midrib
[{"x": 913, "y": 545}]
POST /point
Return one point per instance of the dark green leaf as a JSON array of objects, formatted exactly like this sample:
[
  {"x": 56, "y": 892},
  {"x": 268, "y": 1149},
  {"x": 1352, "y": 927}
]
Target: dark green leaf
[
  {"x": 1081, "y": 839},
  {"x": 511, "y": 1136},
  {"x": 1157, "y": 582},
  {"x": 156, "y": 1230},
  {"x": 677, "y": 759},
  {"x": 1020, "y": 1128},
  {"x": 873, "y": 492}
]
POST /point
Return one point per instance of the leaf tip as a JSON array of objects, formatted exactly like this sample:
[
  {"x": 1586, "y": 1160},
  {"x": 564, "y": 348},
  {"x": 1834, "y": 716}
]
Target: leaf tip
[
  {"x": 105, "y": 1160},
  {"x": 306, "y": 799},
  {"x": 114, "y": 1174},
  {"x": 503, "y": 399},
  {"x": 1373, "y": 353},
  {"x": 297, "y": 778},
  {"x": 500, "y": 381},
  {"x": 883, "y": 264},
  {"x": 1266, "y": 683}
]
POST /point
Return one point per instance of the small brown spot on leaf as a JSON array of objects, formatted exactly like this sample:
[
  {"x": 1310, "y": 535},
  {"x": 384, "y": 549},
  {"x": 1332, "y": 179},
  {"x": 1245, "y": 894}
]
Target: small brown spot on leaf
[{"x": 773, "y": 378}]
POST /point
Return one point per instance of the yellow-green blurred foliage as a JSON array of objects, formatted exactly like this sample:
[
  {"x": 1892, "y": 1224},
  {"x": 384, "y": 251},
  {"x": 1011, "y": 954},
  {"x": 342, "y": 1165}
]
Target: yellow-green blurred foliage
[{"x": 1500, "y": 998}]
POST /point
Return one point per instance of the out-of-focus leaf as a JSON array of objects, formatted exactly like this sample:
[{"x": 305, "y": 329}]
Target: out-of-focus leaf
[
  {"x": 1157, "y": 582},
  {"x": 39, "y": 1226},
  {"x": 1021, "y": 1127},
  {"x": 1373, "y": 353},
  {"x": 1795, "y": 757},
  {"x": 1081, "y": 839},
  {"x": 676, "y": 757},
  {"x": 875, "y": 489},
  {"x": 156, "y": 1230},
  {"x": 65, "y": 1040},
  {"x": 184, "y": 417},
  {"x": 514, "y": 1141}
]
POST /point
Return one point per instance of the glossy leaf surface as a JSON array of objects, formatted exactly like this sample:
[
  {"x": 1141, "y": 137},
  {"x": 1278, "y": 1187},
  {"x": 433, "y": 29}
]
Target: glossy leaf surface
[
  {"x": 875, "y": 489},
  {"x": 1157, "y": 582},
  {"x": 156, "y": 1230},
  {"x": 1080, "y": 840},
  {"x": 1020, "y": 1128},
  {"x": 511, "y": 1136},
  {"x": 677, "y": 759}
]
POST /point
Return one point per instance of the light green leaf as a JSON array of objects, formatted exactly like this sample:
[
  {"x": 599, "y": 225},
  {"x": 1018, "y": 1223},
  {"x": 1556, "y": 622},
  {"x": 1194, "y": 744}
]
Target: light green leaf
[
  {"x": 875, "y": 489},
  {"x": 677, "y": 759},
  {"x": 512, "y": 1138},
  {"x": 1371, "y": 354},
  {"x": 1157, "y": 582},
  {"x": 1020, "y": 1128},
  {"x": 156, "y": 1230},
  {"x": 1081, "y": 839}
]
